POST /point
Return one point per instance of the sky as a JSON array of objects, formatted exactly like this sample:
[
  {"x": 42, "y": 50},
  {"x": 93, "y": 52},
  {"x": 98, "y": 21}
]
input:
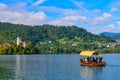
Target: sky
[{"x": 95, "y": 16}]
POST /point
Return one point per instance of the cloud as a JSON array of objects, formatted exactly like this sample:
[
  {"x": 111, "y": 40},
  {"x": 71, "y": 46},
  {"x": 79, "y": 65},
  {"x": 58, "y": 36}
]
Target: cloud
[
  {"x": 104, "y": 18},
  {"x": 79, "y": 4},
  {"x": 108, "y": 28},
  {"x": 113, "y": 9},
  {"x": 59, "y": 11},
  {"x": 112, "y": 27},
  {"x": 115, "y": 27},
  {"x": 39, "y": 2},
  {"x": 69, "y": 20},
  {"x": 27, "y": 18},
  {"x": 2, "y": 5},
  {"x": 96, "y": 11},
  {"x": 118, "y": 23},
  {"x": 94, "y": 20}
]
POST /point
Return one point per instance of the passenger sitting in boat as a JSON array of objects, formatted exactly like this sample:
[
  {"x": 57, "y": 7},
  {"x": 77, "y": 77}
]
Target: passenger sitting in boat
[
  {"x": 86, "y": 60},
  {"x": 94, "y": 59},
  {"x": 83, "y": 60},
  {"x": 89, "y": 59},
  {"x": 100, "y": 59}
]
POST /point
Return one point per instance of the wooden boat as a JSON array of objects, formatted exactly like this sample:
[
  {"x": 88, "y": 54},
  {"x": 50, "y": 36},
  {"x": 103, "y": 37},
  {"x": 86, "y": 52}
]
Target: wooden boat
[{"x": 89, "y": 61}]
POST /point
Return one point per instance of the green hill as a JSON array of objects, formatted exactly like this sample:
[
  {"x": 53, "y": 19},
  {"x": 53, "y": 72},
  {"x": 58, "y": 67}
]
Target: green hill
[
  {"x": 9, "y": 32},
  {"x": 50, "y": 39}
]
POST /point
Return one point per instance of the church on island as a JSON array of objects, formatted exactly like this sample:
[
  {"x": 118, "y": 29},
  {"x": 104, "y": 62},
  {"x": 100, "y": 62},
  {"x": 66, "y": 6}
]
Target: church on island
[{"x": 20, "y": 42}]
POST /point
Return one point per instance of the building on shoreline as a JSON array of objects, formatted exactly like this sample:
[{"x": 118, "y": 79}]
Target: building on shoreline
[{"x": 20, "y": 42}]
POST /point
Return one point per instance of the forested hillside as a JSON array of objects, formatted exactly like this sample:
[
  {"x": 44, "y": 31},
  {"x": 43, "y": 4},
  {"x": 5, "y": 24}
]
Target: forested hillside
[
  {"x": 9, "y": 32},
  {"x": 49, "y": 39}
]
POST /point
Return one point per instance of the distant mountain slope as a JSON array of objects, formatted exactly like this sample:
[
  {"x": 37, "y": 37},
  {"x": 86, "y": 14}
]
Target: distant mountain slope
[
  {"x": 9, "y": 32},
  {"x": 114, "y": 36}
]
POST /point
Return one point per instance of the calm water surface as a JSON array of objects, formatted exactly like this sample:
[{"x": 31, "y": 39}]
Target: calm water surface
[{"x": 56, "y": 67}]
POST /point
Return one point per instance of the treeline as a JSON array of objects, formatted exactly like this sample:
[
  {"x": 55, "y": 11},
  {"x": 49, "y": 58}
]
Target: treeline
[
  {"x": 49, "y": 39},
  {"x": 14, "y": 49},
  {"x": 49, "y": 48}
]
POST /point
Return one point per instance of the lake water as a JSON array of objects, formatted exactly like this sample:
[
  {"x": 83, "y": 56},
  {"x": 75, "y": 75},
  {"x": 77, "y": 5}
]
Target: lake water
[{"x": 56, "y": 67}]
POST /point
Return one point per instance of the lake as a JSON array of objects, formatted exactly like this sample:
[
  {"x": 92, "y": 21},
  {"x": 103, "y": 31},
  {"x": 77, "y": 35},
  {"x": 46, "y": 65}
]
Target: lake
[{"x": 56, "y": 67}]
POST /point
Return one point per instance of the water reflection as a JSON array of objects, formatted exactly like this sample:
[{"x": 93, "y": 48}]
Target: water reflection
[
  {"x": 89, "y": 73},
  {"x": 55, "y": 67},
  {"x": 20, "y": 67},
  {"x": 6, "y": 74},
  {"x": 86, "y": 72}
]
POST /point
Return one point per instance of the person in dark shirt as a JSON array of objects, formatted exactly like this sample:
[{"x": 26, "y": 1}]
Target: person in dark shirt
[
  {"x": 94, "y": 59},
  {"x": 100, "y": 58}
]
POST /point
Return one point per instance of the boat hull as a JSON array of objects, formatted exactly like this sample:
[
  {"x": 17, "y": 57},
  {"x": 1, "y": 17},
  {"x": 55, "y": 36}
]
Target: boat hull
[{"x": 93, "y": 64}]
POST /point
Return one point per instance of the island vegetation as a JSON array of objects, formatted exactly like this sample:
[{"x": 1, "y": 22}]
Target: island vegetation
[{"x": 50, "y": 39}]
